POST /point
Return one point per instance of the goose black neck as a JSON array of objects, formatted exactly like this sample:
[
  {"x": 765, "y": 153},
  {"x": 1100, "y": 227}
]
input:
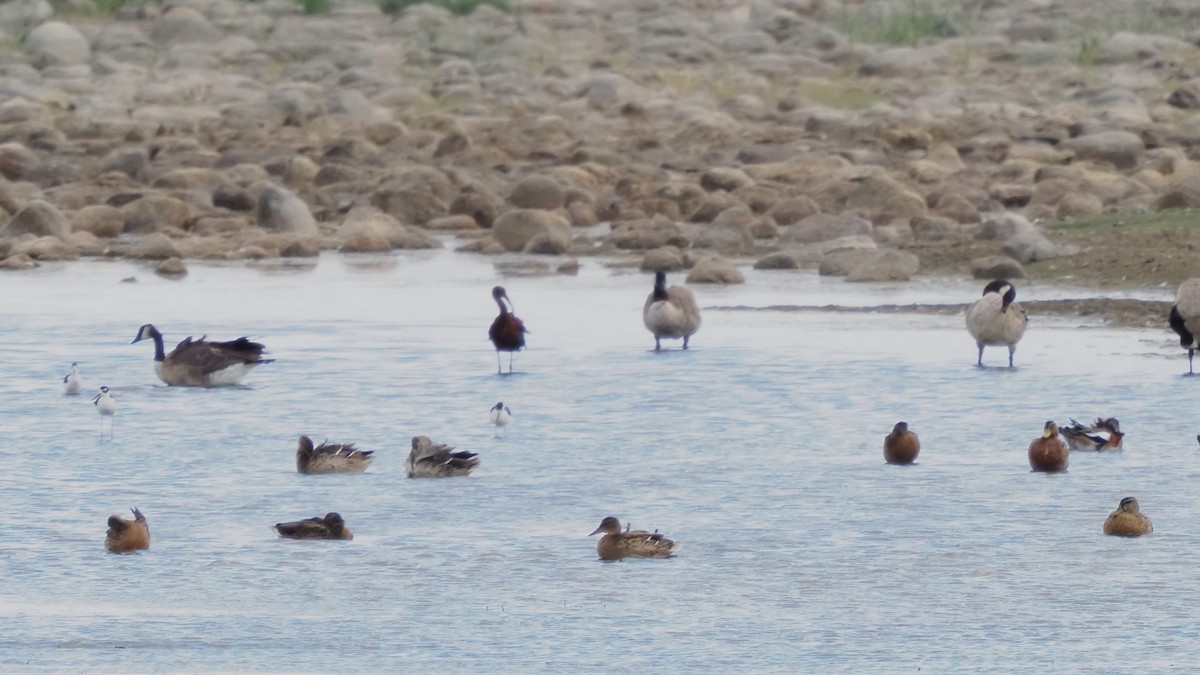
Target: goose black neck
[
  {"x": 660, "y": 285},
  {"x": 158, "y": 344}
]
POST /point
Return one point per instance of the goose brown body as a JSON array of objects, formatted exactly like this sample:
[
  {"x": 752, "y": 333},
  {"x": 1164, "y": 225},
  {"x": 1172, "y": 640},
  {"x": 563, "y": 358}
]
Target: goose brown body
[
  {"x": 901, "y": 446},
  {"x": 1049, "y": 453},
  {"x": 617, "y": 544},
  {"x": 1127, "y": 520},
  {"x": 330, "y": 527},
  {"x": 201, "y": 363},
  {"x": 507, "y": 332},
  {"x": 670, "y": 313},
  {"x": 124, "y": 536},
  {"x": 437, "y": 460},
  {"x": 996, "y": 320},
  {"x": 1102, "y": 436},
  {"x": 331, "y": 457}
]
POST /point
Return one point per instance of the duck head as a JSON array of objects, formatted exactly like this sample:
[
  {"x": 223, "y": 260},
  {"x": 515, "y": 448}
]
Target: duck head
[{"x": 610, "y": 525}]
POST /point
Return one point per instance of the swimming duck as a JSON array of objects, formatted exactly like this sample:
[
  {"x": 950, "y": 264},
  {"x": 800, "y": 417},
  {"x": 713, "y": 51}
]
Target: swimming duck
[
  {"x": 106, "y": 405},
  {"x": 124, "y": 536},
  {"x": 427, "y": 460},
  {"x": 670, "y": 313},
  {"x": 995, "y": 320},
  {"x": 331, "y": 457},
  {"x": 1127, "y": 520},
  {"x": 1081, "y": 437},
  {"x": 617, "y": 544},
  {"x": 73, "y": 381},
  {"x": 330, "y": 527},
  {"x": 901, "y": 446},
  {"x": 1049, "y": 453},
  {"x": 1184, "y": 318},
  {"x": 500, "y": 415},
  {"x": 200, "y": 363},
  {"x": 507, "y": 332}
]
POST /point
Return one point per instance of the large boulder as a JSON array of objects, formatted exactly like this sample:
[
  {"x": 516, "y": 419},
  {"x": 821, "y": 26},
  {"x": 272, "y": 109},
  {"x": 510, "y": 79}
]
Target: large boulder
[
  {"x": 824, "y": 227},
  {"x": 155, "y": 213},
  {"x": 537, "y": 192},
  {"x": 1121, "y": 148},
  {"x": 56, "y": 44},
  {"x": 996, "y": 267},
  {"x": 37, "y": 218},
  {"x": 714, "y": 270},
  {"x": 517, "y": 228},
  {"x": 155, "y": 246},
  {"x": 886, "y": 265},
  {"x": 280, "y": 210}
]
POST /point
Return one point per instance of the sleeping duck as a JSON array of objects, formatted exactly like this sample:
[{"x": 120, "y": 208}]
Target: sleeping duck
[
  {"x": 427, "y": 460},
  {"x": 330, "y": 527},
  {"x": 200, "y": 363},
  {"x": 331, "y": 457},
  {"x": 125, "y": 536}
]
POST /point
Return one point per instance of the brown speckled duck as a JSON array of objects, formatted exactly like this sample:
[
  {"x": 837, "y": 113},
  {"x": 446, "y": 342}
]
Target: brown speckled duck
[
  {"x": 901, "y": 446},
  {"x": 331, "y": 457},
  {"x": 125, "y": 536},
  {"x": 1049, "y": 453},
  {"x": 1127, "y": 520},
  {"x": 330, "y": 527},
  {"x": 430, "y": 460},
  {"x": 616, "y": 545}
]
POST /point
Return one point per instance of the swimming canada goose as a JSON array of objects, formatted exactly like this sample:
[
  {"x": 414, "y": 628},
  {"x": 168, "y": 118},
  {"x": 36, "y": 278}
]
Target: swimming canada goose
[
  {"x": 330, "y": 527},
  {"x": 427, "y": 460},
  {"x": 995, "y": 320},
  {"x": 331, "y": 457},
  {"x": 507, "y": 332},
  {"x": 670, "y": 313},
  {"x": 200, "y": 363},
  {"x": 106, "y": 405},
  {"x": 1048, "y": 452},
  {"x": 617, "y": 544},
  {"x": 901, "y": 446},
  {"x": 1185, "y": 317},
  {"x": 1104, "y": 435},
  {"x": 1127, "y": 520},
  {"x": 124, "y": 536},
  {"x": 73, "y": 381},
  {"x": 500, "y": 415}
]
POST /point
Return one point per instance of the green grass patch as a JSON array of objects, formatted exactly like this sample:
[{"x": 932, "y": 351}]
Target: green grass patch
[
  {"x": 1175, "y": 219},
  {"x": 906, "y": 24},
  {"x": 457, "y": 7},
  {"x": 312, "y": 7}
]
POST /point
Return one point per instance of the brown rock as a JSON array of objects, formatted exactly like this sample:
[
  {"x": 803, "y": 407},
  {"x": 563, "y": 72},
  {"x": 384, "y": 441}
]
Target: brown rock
[
  {"x": 714, "y": 270},
  {"x": 647, "y": 233},
  {"x": 724, "y": 178},
  {"x": 792, "y": 210},
  {"x": 233, "y": 197},
  {"x": 824, "y": 227},
  {"x": 996, "y": 267},
  {"x": 935, "y": 228},
  {"x": 582, "y": 214},
  {"x": 841, "y": 262},
  {"x": 476, "y": 205},
  {"x": 38, "y": 218},
  {"x": 667, "y": 258},
  {"x": 17, "y": 162},
  {"x": 44, "y": 248},
  {"x": 301, "y": 247},
  {"x": 100, "y": 220},
  {"x": 280, "y": 210},
  {"x": 456, "y": 223},
  {"x": 171, "y": 268},
  {"x": 1078, "y": 205},
  {"x": 154, "y": 213},
  {"x": 515, "y": 229},
  {"x": 711, "y": 206},
  {"x": 537, "y": 192},
  {"x": 779, "y": 260},
  {"x": 19, "y": 261},
  {"x": 886, "y": 265},
  {"x": 155, "y": 246},
  {"x": 957, "y": 208}
]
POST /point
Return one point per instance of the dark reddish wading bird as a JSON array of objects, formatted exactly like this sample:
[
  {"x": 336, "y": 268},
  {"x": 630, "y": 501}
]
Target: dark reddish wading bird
[{"x": 507, "y": 331}]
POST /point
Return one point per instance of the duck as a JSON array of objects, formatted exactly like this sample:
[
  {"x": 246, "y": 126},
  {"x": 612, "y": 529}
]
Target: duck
[
  {"x": 1048, "y": 452},
  {"x": 1127, "y": 520},
  {"x": 331, "y": 457},
  {"x": 330, "y": 527},
  {"x": 427, "y": 460},
  {"x": 106, "y": 405},
  {"x": 1082, "y": 437},
  {"x": 670, "y": 313},
  {"x": 125, "y": 536},
  {"x": 500, "y": 415},
  {"x": 996, "y": 320},
  {"x": 901, "y": 446},
  {"x": 1184, "y": 318},
  {"x": 617, "y": 544},
  {"x": 507, "y": 332},
  {"x": 73, "y": 381},
  {"x": 200, "y": 363}
]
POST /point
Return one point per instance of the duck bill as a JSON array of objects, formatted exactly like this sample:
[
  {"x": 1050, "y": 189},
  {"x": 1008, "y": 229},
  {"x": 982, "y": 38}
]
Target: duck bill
[{"x": 596, "y": 531}]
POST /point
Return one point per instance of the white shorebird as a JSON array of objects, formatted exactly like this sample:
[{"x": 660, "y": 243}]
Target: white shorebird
[
  {"x": 500, "y": 415},
  {"x": 107, "y": 405},
  {"x": 73, "y": 381}
]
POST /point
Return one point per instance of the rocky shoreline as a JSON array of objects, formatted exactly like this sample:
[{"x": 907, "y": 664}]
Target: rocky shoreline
[{"x": 706, "y": 134}]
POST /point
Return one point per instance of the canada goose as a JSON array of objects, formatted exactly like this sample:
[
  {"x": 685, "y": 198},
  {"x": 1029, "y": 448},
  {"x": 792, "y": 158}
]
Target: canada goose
[
  {"x": 1185, "y": 317},
  {"x": 1048, "y": 452},
  {"x": 617, "y": 544},
  {"x": 670, "y": 313},
  {"x": 995, "y": 320},
  {"x": 1104, "y": 435},
  {"x": 507, "y": 332},
  {"x": 330, "y": 527},
  {"x": 73, "y": 381},
  {"x": 901, "y": 446},
  {"x": 331, "y": 457},
  {"x": 1127, "y": 520},
  {"x": 106, "y": 405},
  {"x": 200, "y": 363},
  {"x": 427, "y": 460},
  {"x": 124, "y": 536},
  {"x": 500, "y": 415}
]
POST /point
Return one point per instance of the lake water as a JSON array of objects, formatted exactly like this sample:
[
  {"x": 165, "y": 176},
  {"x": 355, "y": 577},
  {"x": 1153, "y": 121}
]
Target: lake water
[{"x": 760, "y": 450}]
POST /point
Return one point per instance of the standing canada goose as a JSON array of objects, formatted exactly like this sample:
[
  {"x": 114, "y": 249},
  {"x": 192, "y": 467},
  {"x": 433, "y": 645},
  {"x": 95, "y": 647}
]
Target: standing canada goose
[
  {"x": 330, "y": 527},
  {"x": 995, "y": 320},
  {"x": 1048, "y": 452},
  {"x": 615, "y": 544},
  {"x": 73, "y": 381},
  {"x": 500, "y": 415},
  {"x": 331, "y": 457},
  {"x": 106, "y": 405},
  {"x": 1103, "y": 436},
  {"x": 427, "y": 460},
  {"x": 200, "y": 363},
  {"x": 1127, "y": 520},
  {"x": 124, "y": 536},
  {"x": 507, "y": 332},
  {"x": 670, "y": 313},
  {"x": 901, "y": 446},
  {"x": 1185, "y": 317}
]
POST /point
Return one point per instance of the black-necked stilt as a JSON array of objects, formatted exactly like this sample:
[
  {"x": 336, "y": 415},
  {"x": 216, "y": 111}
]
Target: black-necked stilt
[
  {"x": 74, "y": 380},
  {"x": 670, "y": 313},
  {"x": 200, "y": 363},
  {"x": 500, "y": 415},
  {"x": 995, "y": 320},
  {"x": 107, "y": 406},
  {"x": 507, "y": 332},
  {"x": 1185, "y": 317}
]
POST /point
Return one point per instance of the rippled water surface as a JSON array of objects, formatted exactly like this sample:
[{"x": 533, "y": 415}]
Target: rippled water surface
[{"x": 759, "y": 450}]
